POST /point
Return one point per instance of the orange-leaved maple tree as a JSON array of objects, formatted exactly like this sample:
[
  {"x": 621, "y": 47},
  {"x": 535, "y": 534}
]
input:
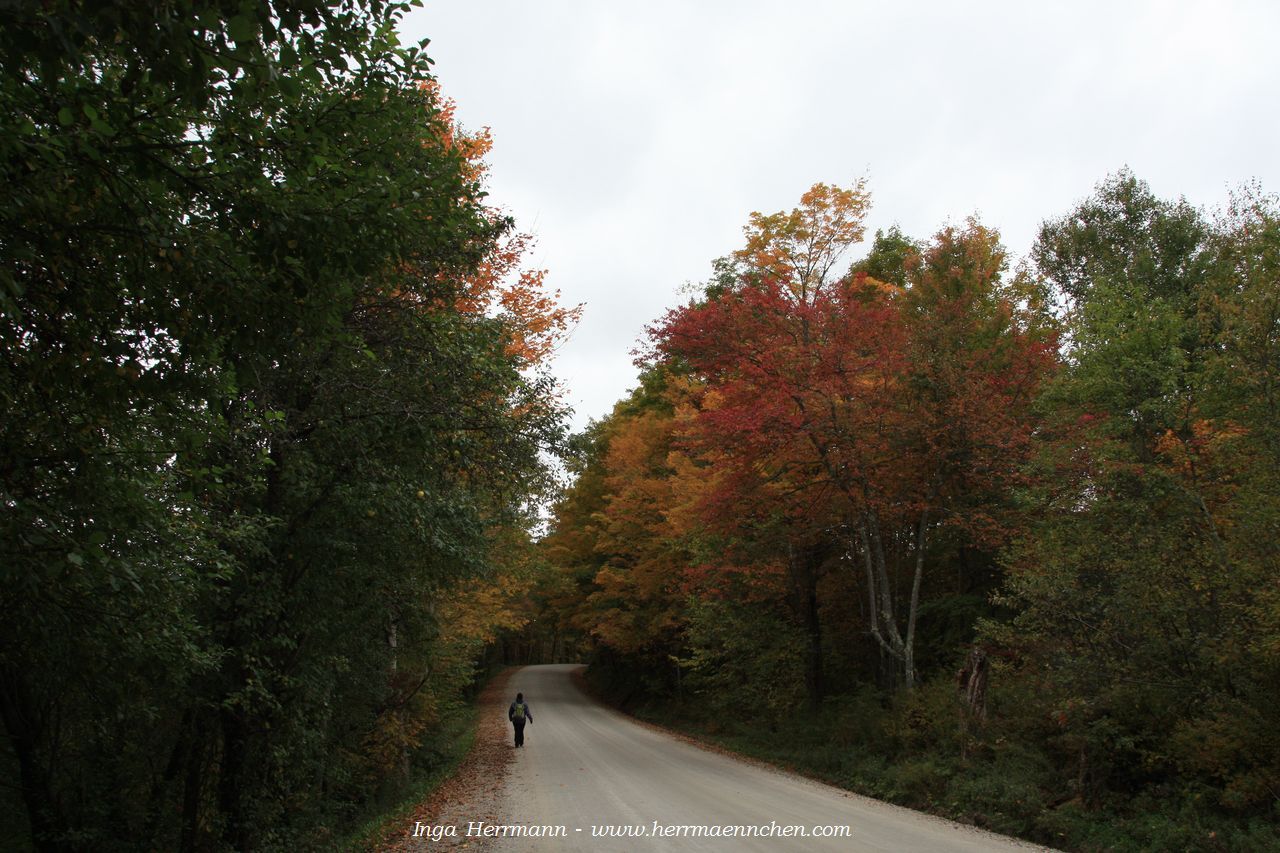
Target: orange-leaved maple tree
[
  {"x": 495, "y": 281},
  {"x": 799, "y": 249}
]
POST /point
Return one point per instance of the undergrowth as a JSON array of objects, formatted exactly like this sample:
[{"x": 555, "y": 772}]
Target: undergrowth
[{"x": 920, "y": 750}]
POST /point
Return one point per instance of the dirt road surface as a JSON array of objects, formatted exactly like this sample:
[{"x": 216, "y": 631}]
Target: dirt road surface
[{"x": 592, "y": 770}]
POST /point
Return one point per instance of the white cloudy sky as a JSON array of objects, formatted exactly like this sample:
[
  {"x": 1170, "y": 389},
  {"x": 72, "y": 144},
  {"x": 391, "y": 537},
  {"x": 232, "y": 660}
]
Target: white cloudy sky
[{"x": 634, "y": 138}]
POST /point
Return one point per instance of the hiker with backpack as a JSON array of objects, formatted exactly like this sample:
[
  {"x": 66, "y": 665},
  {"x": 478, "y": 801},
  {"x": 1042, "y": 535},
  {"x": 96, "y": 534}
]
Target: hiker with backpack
[{"x": 519, "y": 714}]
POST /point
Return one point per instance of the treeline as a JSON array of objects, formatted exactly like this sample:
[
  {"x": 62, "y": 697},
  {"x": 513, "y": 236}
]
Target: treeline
[
  {"x": 1005, "y": 545},
  {"x": 273, "y": 411}
]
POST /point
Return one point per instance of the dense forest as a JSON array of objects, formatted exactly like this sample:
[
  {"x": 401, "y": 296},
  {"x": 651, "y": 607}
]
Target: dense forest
[
  {"x": 1002, "y": 544},
  {"x": 275, "y": 408}
]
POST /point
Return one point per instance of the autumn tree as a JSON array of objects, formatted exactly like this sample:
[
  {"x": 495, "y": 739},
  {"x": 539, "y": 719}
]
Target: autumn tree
[
  {"x": 615, "y": 540},
  {"x": 979, "y": 347},
  {"x": 799, "y": 249},
  {"x": 636, "y": 601},
  {"x": 866, "y": 407}
]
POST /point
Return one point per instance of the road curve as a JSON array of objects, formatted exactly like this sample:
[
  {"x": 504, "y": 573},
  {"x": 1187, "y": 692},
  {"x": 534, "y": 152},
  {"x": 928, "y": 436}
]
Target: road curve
[{"x": 585, "y": 766}]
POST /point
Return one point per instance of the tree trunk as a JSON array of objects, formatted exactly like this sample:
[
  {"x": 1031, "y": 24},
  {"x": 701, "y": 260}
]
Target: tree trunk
[
  {"x": 192, "y": 794},
  {"x": 913, "y": 608},
  {"x": 235, "y": 750},
  {"x": 804, "y": 564},
  {"x": 884, "y": 623},
  {"x": 815, "y": 685},
  {"x": 24, "y": 726},
  {"x": 973, "y": 683}
]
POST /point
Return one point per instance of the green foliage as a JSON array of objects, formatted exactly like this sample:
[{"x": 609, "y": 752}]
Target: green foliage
[
  {"x": 891, "y": 257},
  {"x": 1008, "y": 794},
  {"x": 258, "y": 420},
  {"x": 1137, "y": 586},
  {"x": 744, "y": 660}
]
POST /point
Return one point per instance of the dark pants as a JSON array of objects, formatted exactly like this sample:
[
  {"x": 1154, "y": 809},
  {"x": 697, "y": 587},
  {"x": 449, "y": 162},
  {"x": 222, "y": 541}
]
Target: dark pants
[{"x": 519, "y": 724}]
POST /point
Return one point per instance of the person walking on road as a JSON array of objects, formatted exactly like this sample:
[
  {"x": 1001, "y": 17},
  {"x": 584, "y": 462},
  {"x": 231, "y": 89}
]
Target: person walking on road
[{"x": 519, "y": 714}]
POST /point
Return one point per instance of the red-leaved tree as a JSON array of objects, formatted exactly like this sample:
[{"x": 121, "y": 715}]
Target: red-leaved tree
[{"x": 867, "y": 417}]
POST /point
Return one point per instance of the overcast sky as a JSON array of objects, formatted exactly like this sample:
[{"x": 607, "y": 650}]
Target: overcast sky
[{"x": 632, "y": 139}]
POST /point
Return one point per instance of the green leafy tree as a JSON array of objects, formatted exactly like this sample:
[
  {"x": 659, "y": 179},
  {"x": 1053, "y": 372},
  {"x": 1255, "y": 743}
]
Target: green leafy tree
[
  {"x": 1139, "y": 586},
  {"x": 265, "y": 401},
  {"x": 889, "y": 258}
]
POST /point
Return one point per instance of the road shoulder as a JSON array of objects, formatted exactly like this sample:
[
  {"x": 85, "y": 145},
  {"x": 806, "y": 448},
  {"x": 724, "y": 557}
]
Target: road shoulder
[{"x": 474, "y": 792}]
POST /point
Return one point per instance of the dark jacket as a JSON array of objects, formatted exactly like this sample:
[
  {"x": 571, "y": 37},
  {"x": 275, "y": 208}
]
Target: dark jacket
[{"x": 511, "y": 712}]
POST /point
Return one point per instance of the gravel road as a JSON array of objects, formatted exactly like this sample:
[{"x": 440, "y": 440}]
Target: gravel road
[{"x": 584, "y": 767}]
